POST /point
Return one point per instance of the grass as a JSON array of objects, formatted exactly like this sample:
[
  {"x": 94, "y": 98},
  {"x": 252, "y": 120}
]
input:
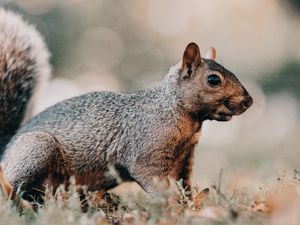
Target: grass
[{"x": 277, "y": 203}]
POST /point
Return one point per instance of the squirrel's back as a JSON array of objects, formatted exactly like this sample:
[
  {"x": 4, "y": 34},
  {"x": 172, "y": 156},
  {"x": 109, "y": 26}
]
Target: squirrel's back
[{"x": 24, "y": 66}]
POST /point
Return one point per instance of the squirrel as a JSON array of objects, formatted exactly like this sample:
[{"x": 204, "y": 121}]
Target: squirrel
[
  {"x": 142, "y": 135},
  {"x": 24, "y": 68}
]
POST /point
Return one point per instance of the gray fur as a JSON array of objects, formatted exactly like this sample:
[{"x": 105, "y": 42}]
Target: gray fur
[
  {"x": 145, "y": 134},
  {"x": 103, "y": 129}
]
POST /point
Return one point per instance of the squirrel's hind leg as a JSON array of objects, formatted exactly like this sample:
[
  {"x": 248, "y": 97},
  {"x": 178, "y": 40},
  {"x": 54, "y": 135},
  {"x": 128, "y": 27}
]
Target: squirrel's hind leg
[
  {"x": 8, "y": 192},
  {"x": 28, "y": 161}
]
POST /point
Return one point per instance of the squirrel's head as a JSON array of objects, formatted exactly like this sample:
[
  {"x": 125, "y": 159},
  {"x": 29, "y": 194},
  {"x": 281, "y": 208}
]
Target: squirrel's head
[{"x": 207, "y": 89}]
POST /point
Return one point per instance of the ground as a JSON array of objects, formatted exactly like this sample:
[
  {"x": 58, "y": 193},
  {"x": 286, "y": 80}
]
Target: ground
[{"x": 223, "y": 202}]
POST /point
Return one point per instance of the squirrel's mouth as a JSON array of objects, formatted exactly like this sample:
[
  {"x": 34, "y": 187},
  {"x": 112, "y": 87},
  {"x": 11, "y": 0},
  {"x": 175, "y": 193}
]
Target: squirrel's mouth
[
  {"x": 225, "y": 110},
  {"x": 221, "y": 116},
  {"x": 229, "y": 108},
  {"x": 225, "y": 114}
]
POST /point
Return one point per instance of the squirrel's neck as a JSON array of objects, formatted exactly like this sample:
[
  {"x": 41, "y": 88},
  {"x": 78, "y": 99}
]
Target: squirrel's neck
[
  {"x": 167, "y": 90},
  {"x": 169, "y": 99},
  {"x": 170, "y": 80},
  {"x": 173, "y": 95}
]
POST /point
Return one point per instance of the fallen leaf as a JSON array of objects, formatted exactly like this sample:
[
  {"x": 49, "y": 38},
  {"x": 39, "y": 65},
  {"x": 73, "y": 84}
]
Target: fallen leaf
[{"x": 198, "y": 198}]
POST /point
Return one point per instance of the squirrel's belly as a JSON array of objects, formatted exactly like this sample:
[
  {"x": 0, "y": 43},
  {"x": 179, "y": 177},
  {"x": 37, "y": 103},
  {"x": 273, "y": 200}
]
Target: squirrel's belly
[{"x": 94, "y": 181}]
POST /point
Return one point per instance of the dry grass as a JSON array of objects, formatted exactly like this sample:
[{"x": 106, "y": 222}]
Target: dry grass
[{"x": 277, "y": 204}]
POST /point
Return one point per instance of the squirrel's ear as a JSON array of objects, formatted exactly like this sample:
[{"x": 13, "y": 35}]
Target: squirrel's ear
[
  {"x": 191, "y": 59},
  {"x": 211, "y": 53}
]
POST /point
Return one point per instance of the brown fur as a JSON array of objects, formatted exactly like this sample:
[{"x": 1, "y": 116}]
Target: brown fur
[{"x": 104, "y": 138}]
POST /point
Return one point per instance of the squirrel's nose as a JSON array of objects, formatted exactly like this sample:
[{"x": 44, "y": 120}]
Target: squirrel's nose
[{"x": 247, "y": 102}]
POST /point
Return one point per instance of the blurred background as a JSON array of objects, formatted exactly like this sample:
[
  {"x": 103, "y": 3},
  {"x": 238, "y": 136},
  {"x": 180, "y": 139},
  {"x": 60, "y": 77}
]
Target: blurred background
[{"x": 128, "y": 45}]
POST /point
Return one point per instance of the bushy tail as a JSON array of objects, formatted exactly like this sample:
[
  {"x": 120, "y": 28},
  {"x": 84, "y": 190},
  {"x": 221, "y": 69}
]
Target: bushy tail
[{"x": 24, "y": 67}]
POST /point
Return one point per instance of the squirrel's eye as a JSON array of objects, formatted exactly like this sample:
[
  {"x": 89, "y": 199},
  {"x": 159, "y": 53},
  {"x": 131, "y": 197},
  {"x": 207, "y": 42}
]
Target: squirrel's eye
[{"x": 214, "y": 80}]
